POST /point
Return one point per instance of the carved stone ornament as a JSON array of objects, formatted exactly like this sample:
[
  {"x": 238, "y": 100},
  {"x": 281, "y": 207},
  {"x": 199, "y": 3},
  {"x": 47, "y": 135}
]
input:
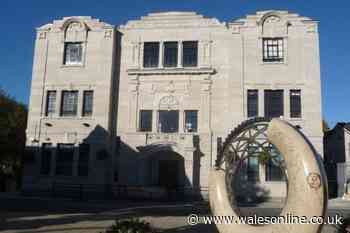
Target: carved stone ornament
[
  {"x": 168, "y": 102},
  {"x": 272, "y": 19},
  {"x": 314, "y": 180},
  {"x": 75, "y": 26}
]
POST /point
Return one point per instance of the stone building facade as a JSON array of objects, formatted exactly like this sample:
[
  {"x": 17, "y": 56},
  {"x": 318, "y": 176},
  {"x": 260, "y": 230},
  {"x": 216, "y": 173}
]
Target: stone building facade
[{"x": 165, "y": 88}]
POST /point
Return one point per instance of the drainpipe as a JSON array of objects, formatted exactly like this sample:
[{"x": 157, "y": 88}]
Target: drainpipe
[{"x": 43, "y": 90}]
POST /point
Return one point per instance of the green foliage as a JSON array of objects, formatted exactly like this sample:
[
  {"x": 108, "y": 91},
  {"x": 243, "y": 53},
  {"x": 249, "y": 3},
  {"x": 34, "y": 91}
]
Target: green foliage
[
  {"x": 264, "y": 157},
  {"x": 13, "y": 120},
  {"x": 132, "y": 225}
]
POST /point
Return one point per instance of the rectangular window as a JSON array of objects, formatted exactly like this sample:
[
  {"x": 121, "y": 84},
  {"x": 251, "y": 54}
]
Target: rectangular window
[
  {"x": 168, "y": 121},
  {"x": 73, "y": 53},
  {"x": 273, "y": 172},
  {"x": 274, "y": 106},
  {"x": 295, "y": 103},
  {"x": 170, "y": 54},
  {"x": 46, "y": 154},
  {"x": 83, "y": 162},
  {"x": 88, "y": 101},
  {"x": 253, "y": 164},
  {"x": 150, "y": 54},
  {"x": 64, "y": 159},
  {"x": 273, "y": 50},
  {"x": 50, "y": 103},
  {"x": 189, "y": 53},
  {"x": 146, "y": 120},
  {"x": 252, "y": 103},
  {"x": 191, "y": 120},
  {"x": 69, "y": 103}
]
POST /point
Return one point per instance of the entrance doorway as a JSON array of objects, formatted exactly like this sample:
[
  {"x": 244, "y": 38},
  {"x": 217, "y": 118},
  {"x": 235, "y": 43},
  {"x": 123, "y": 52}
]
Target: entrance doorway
[{"x": 169, "y": 173}]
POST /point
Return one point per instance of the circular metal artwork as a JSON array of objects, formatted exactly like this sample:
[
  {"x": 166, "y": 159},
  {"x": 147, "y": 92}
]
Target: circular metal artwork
[{"x": 248, "y": 140}]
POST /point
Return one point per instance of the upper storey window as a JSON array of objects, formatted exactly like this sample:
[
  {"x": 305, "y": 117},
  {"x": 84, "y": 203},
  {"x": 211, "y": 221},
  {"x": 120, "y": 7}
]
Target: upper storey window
[
  {"x": 69, "y": 103},
  {"x": 73, "y": 53},
  {"x": 170, "y": 54},
  {"x": 75, "y": 39},
  {"x": 273, "y": 50},
  {"x": 151, "y": 54},
  {"x": 189, "y": 53}
]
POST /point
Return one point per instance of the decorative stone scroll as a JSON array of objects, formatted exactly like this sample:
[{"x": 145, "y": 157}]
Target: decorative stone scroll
[{"x": 168, "y": 102}]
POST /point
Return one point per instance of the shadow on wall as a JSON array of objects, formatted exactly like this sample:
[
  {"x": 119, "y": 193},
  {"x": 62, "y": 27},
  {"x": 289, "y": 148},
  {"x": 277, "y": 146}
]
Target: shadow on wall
[
  {"x": 87, "y": 163},
  {"x": 157, "y": 166}
]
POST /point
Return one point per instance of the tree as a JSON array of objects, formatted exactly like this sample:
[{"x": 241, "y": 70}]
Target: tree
[{"x": 13, "y": 120}]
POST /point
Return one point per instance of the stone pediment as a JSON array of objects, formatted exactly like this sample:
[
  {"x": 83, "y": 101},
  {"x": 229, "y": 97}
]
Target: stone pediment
[
  {"x": 270, "y": 17},
  {"x": 88, "y": 22},
  {"x": 172, "y": 19}
]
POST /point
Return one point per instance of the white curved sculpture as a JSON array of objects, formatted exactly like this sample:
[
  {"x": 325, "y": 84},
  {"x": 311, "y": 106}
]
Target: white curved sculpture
[{"x": 307, "y": 189}]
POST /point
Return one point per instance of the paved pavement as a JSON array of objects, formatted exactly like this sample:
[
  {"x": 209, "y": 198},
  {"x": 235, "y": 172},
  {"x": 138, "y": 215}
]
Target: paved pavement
[{"x": 33, "y": 215}]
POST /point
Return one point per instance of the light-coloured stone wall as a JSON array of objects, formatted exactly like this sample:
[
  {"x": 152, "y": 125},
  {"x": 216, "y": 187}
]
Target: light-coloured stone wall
[
  {"x": 51, "y": 74},
  {"x": 229, "y": 63}
]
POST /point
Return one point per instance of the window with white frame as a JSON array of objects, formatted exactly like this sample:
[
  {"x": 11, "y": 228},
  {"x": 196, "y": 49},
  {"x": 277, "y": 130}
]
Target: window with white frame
[
  {"x": 252, "y": 103},
  {"x": 295, "y": 103},
  {"x": 191, "y": 120},
  {"x": 73, "y": 53},
  {"x": 69, "y": 103},
  {"x": 170, "y": 54},
  {"x": 189, "y": 53},
  {"x": 150, "y": 54},
  {"x": 50, "y": 103},
  {"x": 145, "y": 121},
  {"x": 88, "y": 102},
  {"x": 273, "y": 50}
]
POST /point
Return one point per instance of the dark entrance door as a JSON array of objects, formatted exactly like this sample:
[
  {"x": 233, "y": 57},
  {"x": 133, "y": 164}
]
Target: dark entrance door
[{"x": 168, "y": 173}]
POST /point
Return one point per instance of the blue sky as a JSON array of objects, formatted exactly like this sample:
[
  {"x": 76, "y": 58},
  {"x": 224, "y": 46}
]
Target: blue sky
[{"x": 18, "y": 20}]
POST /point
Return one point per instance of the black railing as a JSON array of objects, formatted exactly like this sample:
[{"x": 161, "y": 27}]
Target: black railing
[{"x": 115, "y": 192}]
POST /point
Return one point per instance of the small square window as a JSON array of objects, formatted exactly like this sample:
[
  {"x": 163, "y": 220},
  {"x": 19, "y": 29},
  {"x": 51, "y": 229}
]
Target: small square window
[
  {"x": 73, "y": 53},
  {"x": 273, "y": 50}
]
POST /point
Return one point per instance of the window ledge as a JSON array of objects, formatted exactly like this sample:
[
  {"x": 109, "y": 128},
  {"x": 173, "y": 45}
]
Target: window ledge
[
  {"x": 72, "y": 66},
  {"x": 176, "y": 70},
  {"x": 274, "y": 63},
  {"x": 67, "y": 118}
]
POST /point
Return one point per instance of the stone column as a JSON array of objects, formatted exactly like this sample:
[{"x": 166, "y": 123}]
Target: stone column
[
  {"x": 133, "y": 102},
  {"x": 261, "y": 107},
  {"x": 179, "y": 54},
  {"x": 205, "y": 109},
  {"x": 181, "y": 121},
  {"x": 161, "y": 53},
  {"x": 154, "y": 121}
]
